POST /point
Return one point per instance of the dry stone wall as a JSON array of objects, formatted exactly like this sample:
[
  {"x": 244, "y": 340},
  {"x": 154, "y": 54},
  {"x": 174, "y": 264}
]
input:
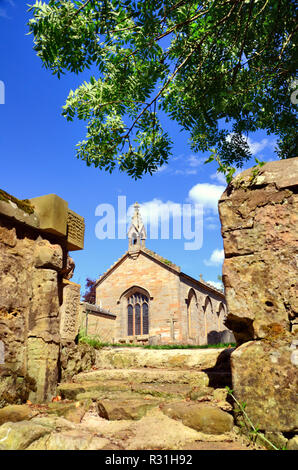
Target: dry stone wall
[{"x": 259, "y": 212}]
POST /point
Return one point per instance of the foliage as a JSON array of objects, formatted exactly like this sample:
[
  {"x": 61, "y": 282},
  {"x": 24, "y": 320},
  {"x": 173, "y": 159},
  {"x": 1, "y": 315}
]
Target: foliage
[
  {"x": 90, "y": 293},
  {"x": 220, "y": 69}
]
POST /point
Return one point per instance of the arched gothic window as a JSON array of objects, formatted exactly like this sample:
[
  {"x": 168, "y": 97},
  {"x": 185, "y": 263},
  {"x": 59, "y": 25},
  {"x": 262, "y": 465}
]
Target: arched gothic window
[{"x": 137, "y": 314}]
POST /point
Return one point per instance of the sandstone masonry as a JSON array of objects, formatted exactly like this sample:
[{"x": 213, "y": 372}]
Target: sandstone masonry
[
  {"x": 38, "y": 306},
  {"x": 259, "y": 217}
]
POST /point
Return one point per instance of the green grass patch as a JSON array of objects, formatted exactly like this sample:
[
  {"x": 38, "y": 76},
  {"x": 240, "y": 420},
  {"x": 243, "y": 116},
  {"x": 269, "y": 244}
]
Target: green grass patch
[
  {"x": 190, "y": 346},
  {"x": 97, "y": 343}
]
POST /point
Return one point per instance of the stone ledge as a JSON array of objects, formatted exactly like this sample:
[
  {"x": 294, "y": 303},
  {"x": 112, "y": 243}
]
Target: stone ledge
[{"x": 11, "y": 210}]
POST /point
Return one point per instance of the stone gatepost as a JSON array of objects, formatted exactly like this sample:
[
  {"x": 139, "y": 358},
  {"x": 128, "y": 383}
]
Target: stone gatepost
[
  {"x": 259, "y": 218},
  {"x": 38, "y": 306}
]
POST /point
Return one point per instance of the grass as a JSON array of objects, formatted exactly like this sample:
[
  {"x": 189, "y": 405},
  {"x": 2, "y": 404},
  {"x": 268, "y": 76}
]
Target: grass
[
  {"x": 190, "y": 346},
  {"x": 97, "y": 343}
]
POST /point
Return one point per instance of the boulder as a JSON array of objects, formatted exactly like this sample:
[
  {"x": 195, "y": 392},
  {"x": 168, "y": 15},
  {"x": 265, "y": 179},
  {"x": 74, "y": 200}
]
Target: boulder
[
  {"x": 199, "y": 416},
  {"x": 131, "y": 409},
  {"x": 15, "y": 413},
  {"x": 265, "y": 378},
  {"x": 73, "y": 411},
  {"x": 18, "y": 436}
]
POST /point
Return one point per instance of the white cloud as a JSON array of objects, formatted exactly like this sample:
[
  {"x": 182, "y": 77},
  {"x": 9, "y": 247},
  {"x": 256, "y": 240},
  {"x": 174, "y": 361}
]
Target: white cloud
[
  {"x": 194, "y": 161},
  {"x": 155, "y": 210},
  {"x": 162, "y": 168},
  {"x": 217, "y": 285},
  {"x": 186, "y": 172},
  {"x": 220, "y": 177},
  {"x": 185, "y": 166},
  {"x": 206, "y": 194},
  {"x": 216, "y": 258},
  {"x": 256, "y": 146}
]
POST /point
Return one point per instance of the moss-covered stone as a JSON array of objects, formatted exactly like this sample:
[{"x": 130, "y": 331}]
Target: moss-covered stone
[{"x": 24, "y": 204}]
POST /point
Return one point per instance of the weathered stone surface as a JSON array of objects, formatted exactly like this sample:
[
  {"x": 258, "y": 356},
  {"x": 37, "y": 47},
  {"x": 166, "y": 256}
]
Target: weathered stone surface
[
  {"x": 43, "y": 367},
  {"x": 69, "y": 311},
  {"x": 75, "y": 359},
  {"x": 205, "y": 418},
  {"x": 18, "y": 214},
  {"x": 259, "y": 228},
  {"x": 8, "y": 236},
  {"x": 73, "y": 411},
  {"x": 68, "y": 270},
  {"x": 146, "y": 376},
  {"x": 18, "y": 436},
  {"x": 72, "y": 439},
  {"x": 125, "y": 409},
  {"x": 32, "y": 264},
  {"x": 266, "y": 379},
  {"x": 52, "y": 212},
  {"x": 14, "y": 387},
  {"x": 176, "y": 359},
  {"x": 48, "y": 255},
  {"x": 293, "y": 443},
  {"x": 44, "y": 312},
  {"x": 15, "y": 413},
  {"x": 75, "y": 231}
]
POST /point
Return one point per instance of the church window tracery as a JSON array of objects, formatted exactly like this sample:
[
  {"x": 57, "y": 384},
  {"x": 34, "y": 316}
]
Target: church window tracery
[{"x": 138, "y": 314}]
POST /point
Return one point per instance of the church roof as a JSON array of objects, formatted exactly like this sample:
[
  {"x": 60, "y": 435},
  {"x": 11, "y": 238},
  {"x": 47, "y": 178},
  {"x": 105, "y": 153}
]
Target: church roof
[{"x": 166, "y": 263}]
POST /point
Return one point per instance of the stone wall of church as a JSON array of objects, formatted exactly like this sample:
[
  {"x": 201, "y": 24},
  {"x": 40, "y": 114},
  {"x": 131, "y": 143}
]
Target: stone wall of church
[
  {"x": 95, "y": 322},
  {"x": 204, "y": 312},
  {"x": 178, "y": 311},
  {"x": 161, "y": 283}
]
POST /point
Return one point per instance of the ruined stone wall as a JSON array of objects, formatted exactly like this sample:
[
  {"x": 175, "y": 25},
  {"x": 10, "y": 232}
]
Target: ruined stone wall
[
  {"x": 36, "y": 311},
  {"x": 259, "y": 217}
]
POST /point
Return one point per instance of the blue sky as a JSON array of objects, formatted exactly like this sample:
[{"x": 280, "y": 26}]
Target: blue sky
[{"x": 37, "y": 152}]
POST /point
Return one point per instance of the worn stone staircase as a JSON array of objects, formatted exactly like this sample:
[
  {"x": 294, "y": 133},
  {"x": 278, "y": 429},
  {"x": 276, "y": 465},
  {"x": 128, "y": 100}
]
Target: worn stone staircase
[
  {"x": 178, "y": 396},
  {"x": 133, "y": 399}
]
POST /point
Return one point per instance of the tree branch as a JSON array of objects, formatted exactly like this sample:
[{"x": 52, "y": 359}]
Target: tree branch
[{"x": 81, "y": 8}]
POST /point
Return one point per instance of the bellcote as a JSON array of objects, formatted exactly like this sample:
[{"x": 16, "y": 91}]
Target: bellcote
[{"x": 136, "y": 233}]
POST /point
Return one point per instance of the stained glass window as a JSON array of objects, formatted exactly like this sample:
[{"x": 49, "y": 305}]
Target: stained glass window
[{"x": 138, "y": 315}]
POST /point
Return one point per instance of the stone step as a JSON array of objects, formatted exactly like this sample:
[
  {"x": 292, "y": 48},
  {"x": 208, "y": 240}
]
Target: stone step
[
  {"x": 143, "y": 376},
  {"x": 113, "y": 388},
  {"x": 212, "y": 377},
  {"x": 194, "y": 359}
]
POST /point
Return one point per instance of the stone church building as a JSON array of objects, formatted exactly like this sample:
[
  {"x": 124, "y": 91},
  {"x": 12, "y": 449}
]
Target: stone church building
[{"x": 144, "y": 297}]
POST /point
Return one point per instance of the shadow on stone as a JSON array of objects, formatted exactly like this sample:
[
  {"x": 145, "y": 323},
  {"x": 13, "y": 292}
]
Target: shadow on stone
[{"x": 220, "y": 375}]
